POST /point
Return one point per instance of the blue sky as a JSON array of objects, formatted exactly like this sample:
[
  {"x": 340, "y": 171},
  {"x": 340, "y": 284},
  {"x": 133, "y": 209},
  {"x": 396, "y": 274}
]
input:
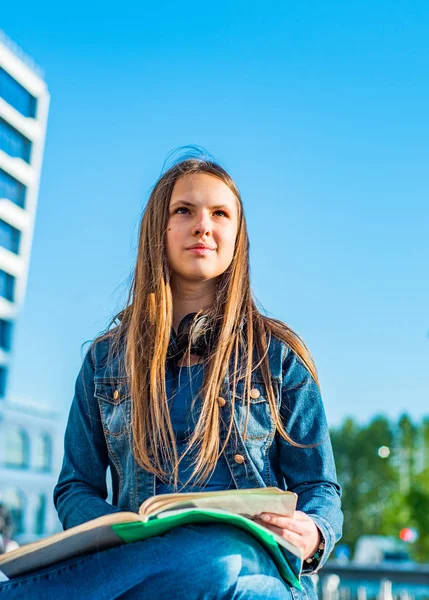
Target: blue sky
[{"x": 319, "y": 112}]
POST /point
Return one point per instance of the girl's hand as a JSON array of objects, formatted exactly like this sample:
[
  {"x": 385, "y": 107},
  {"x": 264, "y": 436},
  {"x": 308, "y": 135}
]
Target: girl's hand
[{"x": 300, "y": 530}]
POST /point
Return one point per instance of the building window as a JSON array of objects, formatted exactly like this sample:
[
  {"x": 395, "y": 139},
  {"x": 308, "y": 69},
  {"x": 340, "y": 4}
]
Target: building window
[
  {"x": 7, "y": 285},
  {"x": 3, "y": 379},
  {"x": 5, "y": 334},
  {"x": 17, "y": 448},
  {"x": 16, "y": 95},
  {"x": 12, "y": 189},
  {"x": 40, "y": 515},
  {"x": 14, "y": 500},
  {"x": 9, "y": 237},
  {"x": 42, "y": 452},
  {"x": 13, "y": 142}
]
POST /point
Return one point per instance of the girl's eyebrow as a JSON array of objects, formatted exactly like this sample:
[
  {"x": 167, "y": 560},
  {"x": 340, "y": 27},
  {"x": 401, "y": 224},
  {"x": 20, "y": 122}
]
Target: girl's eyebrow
[{"x": 187, "y": 203}]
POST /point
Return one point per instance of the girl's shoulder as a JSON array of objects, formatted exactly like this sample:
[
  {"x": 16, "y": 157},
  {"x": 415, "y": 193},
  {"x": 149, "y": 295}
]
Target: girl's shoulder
[
  {"x": 288, "y": 352},
  {"x": 106, "y": 351}
]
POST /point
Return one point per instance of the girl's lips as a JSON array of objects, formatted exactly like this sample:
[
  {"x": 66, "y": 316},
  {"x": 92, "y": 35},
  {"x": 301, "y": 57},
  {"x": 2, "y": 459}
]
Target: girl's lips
[{"x": 201, "y": 250}]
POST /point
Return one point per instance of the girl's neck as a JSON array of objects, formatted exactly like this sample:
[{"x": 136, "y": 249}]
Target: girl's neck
[{"x": 190, "y": 298}]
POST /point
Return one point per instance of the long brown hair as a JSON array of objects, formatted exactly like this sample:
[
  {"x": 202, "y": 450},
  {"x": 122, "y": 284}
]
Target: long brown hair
[{"x": 145, "y": 329}]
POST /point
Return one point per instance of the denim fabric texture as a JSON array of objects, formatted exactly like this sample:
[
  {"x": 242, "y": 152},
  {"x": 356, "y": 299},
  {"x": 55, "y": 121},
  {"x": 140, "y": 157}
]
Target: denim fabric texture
[{"x": 99, "y": 435}]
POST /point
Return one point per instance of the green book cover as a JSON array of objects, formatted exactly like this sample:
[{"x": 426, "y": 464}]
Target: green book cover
[{"x": 288, "y": 564}]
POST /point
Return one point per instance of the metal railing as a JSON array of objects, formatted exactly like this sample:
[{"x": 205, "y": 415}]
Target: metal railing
[{"x": 350, "y": 581}]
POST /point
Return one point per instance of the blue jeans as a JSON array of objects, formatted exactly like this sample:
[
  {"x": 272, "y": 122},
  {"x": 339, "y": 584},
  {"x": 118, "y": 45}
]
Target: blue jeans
[{"x": 195, "y": 562}]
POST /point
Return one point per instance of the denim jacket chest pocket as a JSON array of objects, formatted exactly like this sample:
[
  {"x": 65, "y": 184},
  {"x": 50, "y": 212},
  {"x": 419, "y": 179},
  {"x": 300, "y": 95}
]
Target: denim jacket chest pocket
[
  {"x": 115, "y": 406},
  {"x": 260, "y": 425}
]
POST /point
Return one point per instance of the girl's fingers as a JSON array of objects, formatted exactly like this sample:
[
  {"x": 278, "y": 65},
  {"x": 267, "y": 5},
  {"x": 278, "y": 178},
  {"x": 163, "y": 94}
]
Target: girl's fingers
[
  {"x": 290, "y": 536},
  {"x": 301, "y": 530},
  {"x": 300, "y": 526}
]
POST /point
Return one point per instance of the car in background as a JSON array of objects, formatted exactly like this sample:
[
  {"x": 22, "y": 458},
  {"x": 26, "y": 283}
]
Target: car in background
[{"x": 377, "y": 549}]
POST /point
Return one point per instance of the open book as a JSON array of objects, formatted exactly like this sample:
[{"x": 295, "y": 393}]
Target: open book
[{"x": 159, "y": 514}]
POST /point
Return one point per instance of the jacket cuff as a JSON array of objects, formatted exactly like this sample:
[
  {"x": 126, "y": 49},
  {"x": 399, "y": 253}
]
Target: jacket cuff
[{"x": 329, "y": 538}]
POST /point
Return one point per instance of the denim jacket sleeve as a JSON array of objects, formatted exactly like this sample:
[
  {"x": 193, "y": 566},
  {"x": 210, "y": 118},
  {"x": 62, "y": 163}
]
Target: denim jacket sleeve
[
  {"x": 81, "y": 491},
  {"x": 309, "y": 472}
]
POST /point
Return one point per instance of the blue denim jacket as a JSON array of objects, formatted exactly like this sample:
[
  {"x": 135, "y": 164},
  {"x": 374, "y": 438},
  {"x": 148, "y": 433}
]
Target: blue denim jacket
[{"x": 99, "y": 435}]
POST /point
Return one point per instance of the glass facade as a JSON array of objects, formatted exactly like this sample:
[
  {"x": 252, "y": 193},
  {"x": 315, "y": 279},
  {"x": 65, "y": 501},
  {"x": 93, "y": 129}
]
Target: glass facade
[
  {"x": 9, "y": 237},
  {"x": 16, "y": 95},
  {"x": 17, "y": 449},
  {"x": 12, "y": 189},
  {"x": 5, "y": 334},
  {"x": 14, "y": 499},
  {"x": 13, "y": 142},
  {"x": 3, "y": 379},
  {"x": 42, "y": 452},
  {"x": 40, "y": 515},
  {"x": 7, "y": 285}
]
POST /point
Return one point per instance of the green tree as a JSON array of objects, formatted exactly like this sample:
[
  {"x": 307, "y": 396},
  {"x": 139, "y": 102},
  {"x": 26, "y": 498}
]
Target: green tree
[
  {"x": 383, "y": 495},
  {"x": 369, "y": 482},
  {"x": 418, "y": 502},
  {"x": 418, "y": 496}
]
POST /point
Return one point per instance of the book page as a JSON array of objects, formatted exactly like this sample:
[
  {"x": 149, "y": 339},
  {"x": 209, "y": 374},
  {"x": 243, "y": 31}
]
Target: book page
[
  {"x": 155, "y": 504},
  {"x": 248, "y": 504}
]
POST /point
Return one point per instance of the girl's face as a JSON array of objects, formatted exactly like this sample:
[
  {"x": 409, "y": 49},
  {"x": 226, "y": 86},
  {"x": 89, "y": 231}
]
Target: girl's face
[{"x": 202, "y": 227}]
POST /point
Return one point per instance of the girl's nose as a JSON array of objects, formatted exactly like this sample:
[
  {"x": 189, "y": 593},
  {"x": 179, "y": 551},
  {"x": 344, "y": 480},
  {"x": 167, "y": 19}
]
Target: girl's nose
[{"x": 202, "y": 226}]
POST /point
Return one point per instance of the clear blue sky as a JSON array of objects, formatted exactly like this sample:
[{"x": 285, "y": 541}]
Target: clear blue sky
[{"x": 319, "y": 110}]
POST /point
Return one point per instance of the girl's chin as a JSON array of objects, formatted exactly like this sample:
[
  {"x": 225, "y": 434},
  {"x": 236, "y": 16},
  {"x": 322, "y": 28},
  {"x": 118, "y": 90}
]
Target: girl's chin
[{"x": 196, "y": 275}]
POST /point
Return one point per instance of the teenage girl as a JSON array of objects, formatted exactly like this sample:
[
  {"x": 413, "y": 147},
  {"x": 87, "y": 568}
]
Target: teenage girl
[{"x": 193, "y": 389}]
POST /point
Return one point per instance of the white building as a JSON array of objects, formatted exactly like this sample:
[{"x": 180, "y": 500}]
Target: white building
[
  {"x": 30, "y": 447},
  {"x": 27, "y": 435}
]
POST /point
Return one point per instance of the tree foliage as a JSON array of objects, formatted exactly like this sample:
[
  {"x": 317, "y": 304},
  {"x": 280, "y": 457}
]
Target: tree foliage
[{"x": 384, "y": 494}]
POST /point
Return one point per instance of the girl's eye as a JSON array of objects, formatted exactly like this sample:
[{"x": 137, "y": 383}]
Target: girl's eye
[{"x": 184, "y": 208}]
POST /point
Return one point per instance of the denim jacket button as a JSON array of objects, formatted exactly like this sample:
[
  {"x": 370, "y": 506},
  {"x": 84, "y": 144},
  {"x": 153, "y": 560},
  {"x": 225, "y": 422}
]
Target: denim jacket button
[
  {"x": 116, "y": 394},
  {"x": 254, "y": 393},
  {"x": 239, "y": 458},
  {"x": 221, "y": 401}
]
